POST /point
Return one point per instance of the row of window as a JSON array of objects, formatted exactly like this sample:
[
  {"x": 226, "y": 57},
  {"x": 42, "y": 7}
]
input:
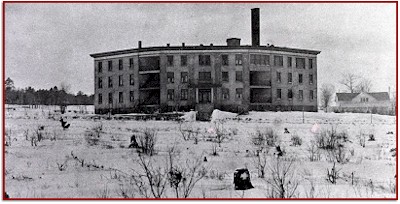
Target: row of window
[
  {"x": 226, "y": 96},
  {"x": 171, "y": 95},
  {"x": 290, "y": 78},
  {"x": 205, "y": 60},
  {"x": 203, "y": 76},
  {"x": 184, "y": 77},
  {"x": 300, "y": 94},
  {"x": 120, "y": 81},
  {"x": 120, "y": 97}
]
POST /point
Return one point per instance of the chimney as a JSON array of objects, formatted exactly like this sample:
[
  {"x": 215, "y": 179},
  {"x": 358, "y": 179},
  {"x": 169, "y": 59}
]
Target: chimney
[
  {"x": 255, "y": 27},
  {"x": 167, "y": 44},
  {"x": 233, "y": 42},
  {"x": 183, "y": 44},
  {"x": 140, "y": 44},
  {"x": 211, "y": 45}
]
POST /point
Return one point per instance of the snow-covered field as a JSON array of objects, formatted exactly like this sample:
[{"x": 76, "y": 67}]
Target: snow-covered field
[{"x": 54, "y": 168}]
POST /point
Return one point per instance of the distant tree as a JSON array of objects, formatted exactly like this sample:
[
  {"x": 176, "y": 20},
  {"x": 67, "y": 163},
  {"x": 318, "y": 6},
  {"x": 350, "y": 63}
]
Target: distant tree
[
  {"x": 365, "y": 85},
  {"x": 327, "y": 91},
  {"x": 9, "y": 84},
  {"x": 350, "y": 81}
]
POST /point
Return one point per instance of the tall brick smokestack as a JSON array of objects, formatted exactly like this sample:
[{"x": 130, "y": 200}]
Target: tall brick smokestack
[{"x": 255, "y": 27}]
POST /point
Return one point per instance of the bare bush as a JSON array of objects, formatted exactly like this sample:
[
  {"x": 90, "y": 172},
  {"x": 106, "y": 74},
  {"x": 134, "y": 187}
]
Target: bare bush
[
  {"x": 260, "y": 162},
  {"x": 283, "y": 179},
  {"x": 314, "y": 153},
  {"x": 296, "y": 140},
  {"x": 187, "y": 131},
  {"x": 361, "y": 138},
  {"x": 147, "y": 141},
  {"x": 333, "y": 175},
  {"x": 184, "y": 177},
  {"x": 214, "y": 149},
  {"x": 220, "y": 132},
  {"x": 330, "y": 139},
  {"x": 62, "y": 166},
  {"x": 265, "y": 137}
]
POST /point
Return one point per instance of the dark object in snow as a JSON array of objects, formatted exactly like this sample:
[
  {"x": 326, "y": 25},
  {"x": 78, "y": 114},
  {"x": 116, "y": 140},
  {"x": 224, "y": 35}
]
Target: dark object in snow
[
  {"x": 205, "y": 159},
  {"x": 390, "y": 133},
  {"x": 41, "y": 127},
  {"x": 371, "y": 137},
  {"x": 241, "y": 179},
  {"x": 64, "y": 124},
  {"x": 6, "y": 195},
  {"x": 279, "y": 152},
  {"x": 134, "y": 143},
  {"x": 287, "y": 131}
]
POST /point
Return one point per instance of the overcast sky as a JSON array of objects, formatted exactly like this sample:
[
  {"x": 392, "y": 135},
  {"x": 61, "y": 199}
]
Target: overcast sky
[{"x": 49, "y": 44}]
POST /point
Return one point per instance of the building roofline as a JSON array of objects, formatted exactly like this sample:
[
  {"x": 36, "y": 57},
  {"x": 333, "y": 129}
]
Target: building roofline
[{"x": 210, "y": 47}]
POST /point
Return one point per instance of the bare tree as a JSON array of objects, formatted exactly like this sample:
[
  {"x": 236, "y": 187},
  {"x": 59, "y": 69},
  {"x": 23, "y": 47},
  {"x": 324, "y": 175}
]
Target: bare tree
[
  {"x": 350, "y": 81},
  {"x": 327, "y": 91},
  {"x": 365, "y": 85},
  {"x": 283, "y": 179}
]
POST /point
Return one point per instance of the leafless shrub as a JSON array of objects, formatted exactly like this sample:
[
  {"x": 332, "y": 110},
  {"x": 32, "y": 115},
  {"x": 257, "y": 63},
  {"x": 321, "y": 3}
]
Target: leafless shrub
[
  {"x": 187, "y": 131},
  {"x": 26, "y": 134},
  {"x": 104, "y": 193},
  {"x": 265, "y": 137},
  {"x": 126, "y": 191},
  {"x": 296, "y": 140},
  {"x": 147, "y": 141},
  {"x": 260, "y": 162},
  {"x": 214, "y": 149},
  {"x": 153, "y": 180},
  {"x": 98, "y": 130},
  {"x": 9, "y": 139},
  {"x": 333, "y": 175},
  {"x": 283, "y": 180},
  {"x": 314, "y": 153},
  {"x": 91, "y": 138},
  {"x": 184, "y": 177},
  {"x": 361, "y": 138},
  {"x": 220, "y": 132},
  {"x": 215, "y": 174}
]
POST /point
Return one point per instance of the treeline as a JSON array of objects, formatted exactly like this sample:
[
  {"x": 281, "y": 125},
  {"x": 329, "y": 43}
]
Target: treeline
[{"x": 53, "y": 96}]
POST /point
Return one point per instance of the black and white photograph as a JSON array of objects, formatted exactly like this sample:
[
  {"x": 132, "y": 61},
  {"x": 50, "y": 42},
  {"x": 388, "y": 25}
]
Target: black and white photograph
[{"x": 200, "y": 100}]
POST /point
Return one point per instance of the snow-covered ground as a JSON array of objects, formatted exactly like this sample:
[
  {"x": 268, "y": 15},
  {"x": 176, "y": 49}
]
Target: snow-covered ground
[{"x": 49, "y": 170}]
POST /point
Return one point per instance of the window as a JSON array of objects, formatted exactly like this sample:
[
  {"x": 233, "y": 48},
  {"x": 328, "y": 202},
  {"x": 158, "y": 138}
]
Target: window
[
  {"x": 120, "y": 64},
  {"x": 311, "y": 79},
  {"x": 109, "y": 66},
  {"x": 239, "y": 93},
  {"x": 239, "y": 76},
  {"x": 131, "y": 96},
  {"x": 300, "y": 78},
  {"x": 183, "y": 60},
  {"x": 131, "y": 80},
  {"x": 300, "y": 63},
  {"x": 121, "y": 80},
  {"x": 170, "y": 94},
  {"x": 225, "y": 60},
  {"x": 310, "y": 63},
  {"x": 100, "y": 83},
  {"x": 110, "y": 82},
  {"x": 100, "y": 67},
  {"x": 289, "y": 61},
  {"x": 259, "y": 59},
  {"x": 204, "y": 96},
  {"x": 289, "y": 78},
  {"x": 363, "y": 99},
  {"x": 290, "y": 94},
  {"x": 225, "y": 76},
  {"x": 278, "y": 77},
  {"x": 100, "y": 99},
  {"x": 204, "y": 76},
  {"x": 170, "y": 60},
  {"x": 225, "y": 94},
  {"x": 130, "y": 63},
  {"x": 238, "y": 59},
  {"x": 121, "y": 97},
  {"x": 184, "y": 94},
  {"x": 184, "y": 77},
  {"x": 170, "y": 77},
  {"x": 110, "y": 98},
  {"x": 278, "y": 61},
  {"x": 204, "y": 60},
  {"x": 311, "y": 95},
  {"x": 279, "y": 93},
  {"x": 300, "y": 95}
]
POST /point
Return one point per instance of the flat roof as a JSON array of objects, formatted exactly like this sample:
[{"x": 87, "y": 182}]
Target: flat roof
[{"x": 207, "y": 47}]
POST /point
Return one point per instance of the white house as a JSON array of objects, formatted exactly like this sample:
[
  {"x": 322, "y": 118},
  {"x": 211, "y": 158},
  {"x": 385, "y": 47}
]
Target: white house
[{"x": 376, "y": 102}]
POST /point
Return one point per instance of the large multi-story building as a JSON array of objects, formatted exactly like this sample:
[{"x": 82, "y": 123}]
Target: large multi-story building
[{"x": 232, "y": 77}]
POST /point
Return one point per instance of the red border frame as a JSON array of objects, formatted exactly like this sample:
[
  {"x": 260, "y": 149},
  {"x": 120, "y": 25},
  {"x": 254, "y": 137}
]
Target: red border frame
[{"x": 242, "y": 199}]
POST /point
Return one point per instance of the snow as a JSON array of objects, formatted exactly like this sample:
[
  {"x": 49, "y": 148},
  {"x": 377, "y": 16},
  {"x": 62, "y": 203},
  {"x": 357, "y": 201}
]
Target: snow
[{"x": 32, "y": 172}]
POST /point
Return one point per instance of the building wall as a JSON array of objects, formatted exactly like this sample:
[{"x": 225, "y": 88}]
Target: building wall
[{"x": 193, "y": 68}]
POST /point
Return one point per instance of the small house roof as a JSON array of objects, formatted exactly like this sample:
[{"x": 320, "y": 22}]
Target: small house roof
[{"x": 380, "y": 96}]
